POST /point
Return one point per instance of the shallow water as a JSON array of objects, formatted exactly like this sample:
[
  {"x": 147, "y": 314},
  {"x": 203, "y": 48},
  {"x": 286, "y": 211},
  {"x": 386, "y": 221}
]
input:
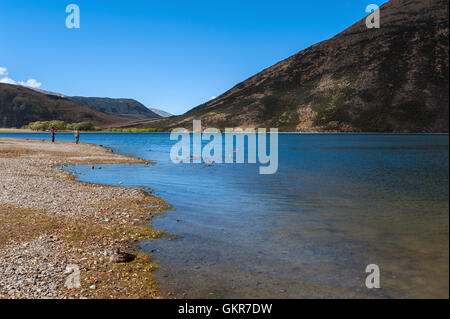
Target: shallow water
[{"x": 336, "y": 204}]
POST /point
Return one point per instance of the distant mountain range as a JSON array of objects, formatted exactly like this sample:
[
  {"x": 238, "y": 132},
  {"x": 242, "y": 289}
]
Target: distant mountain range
[
  {"x": 391, "y": 79},
  {"x": 161, "y": 113},
  {"x": 126, "y": 108},
  {"x": 20, "y": 105}
]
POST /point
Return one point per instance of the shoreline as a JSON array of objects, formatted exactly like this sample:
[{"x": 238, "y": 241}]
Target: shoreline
[
  {"x": 51, "y": 220},
  {"x": 7, "y": 130}
]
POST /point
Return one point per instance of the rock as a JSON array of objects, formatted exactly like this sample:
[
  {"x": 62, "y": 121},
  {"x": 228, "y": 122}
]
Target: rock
[{"x": 121, "y": 257}]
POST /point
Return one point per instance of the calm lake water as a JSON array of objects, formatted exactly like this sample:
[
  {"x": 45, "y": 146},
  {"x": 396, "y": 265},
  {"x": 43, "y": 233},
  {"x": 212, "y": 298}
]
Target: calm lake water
[{"x": 337, "y": 204}]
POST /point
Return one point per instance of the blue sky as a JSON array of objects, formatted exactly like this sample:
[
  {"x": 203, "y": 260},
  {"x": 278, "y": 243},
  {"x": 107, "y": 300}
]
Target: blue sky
[{"x": 168, "y": 54}]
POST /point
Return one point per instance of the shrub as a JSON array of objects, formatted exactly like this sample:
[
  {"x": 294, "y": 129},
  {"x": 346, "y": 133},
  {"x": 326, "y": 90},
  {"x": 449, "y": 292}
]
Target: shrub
[
  {"x": 39, "y": 126},
  {"x": 57, "y": 125},
  {"x": 61, "y": 126}
]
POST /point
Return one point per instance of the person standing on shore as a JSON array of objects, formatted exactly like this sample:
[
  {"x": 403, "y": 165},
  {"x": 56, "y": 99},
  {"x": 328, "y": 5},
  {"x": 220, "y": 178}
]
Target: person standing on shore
[
  {"x": 77, "y": 136},
  {"x": 52, "y": 132}
]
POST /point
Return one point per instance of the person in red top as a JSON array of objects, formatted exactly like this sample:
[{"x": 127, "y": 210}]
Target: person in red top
[{"x": 52, "y": 132}]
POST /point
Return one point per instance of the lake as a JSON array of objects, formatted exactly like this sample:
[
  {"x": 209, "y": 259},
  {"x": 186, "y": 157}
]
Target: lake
[{"x": 337, "y": 203}]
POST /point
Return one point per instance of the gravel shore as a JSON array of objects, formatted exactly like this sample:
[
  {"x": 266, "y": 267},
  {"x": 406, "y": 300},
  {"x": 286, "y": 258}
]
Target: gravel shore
[{"x": 50, "y": 221}]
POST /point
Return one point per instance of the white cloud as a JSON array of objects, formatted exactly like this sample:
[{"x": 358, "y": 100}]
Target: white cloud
[
  {"x": 3, "y": 71},
  {"x": 32, "y": 83},
  {"x": 212, "y": 97},
  {"x": 7, "y": 80}
]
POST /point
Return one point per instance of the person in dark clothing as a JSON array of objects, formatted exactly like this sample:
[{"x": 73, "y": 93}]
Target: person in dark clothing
[
  {"x": 77, "y": 136},
  {"x": 52, "y": 132}
]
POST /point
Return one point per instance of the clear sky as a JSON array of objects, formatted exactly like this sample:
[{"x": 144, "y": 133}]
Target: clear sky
[{"x": 167, "y": 54}]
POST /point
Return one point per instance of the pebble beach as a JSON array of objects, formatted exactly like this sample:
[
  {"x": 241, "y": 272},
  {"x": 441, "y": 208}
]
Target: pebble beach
[{"x": 50, "y": 221}]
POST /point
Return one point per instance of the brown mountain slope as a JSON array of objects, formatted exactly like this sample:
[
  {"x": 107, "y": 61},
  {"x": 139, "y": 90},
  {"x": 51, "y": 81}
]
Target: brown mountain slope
[
  {"x": 392, "y": 79},
  {"x": 20, "y": 106}
]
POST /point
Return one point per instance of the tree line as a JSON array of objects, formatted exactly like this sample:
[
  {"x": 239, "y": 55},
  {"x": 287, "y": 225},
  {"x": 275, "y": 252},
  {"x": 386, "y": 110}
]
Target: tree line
[
  {"x": 85, "y": 126},
  {"x": 61, "y": 126}
]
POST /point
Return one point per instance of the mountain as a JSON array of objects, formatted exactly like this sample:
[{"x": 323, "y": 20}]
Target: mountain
[
  {"x": 160, "y": 112},
  {"x": 391, "y": 79},
  {"x": 20, "y": 105},
  {"x": 126, "y": 108}
]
